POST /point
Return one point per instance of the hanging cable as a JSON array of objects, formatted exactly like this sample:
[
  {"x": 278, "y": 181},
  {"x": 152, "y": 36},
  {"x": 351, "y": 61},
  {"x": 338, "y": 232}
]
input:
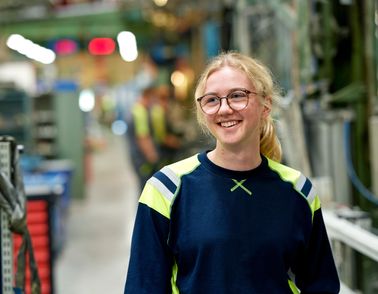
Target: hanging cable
[{"x": 350, "y": 169}]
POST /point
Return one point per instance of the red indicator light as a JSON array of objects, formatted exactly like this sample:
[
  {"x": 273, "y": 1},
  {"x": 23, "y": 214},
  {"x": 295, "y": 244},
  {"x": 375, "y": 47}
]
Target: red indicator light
[
  {"x": 101, "y": 46},
  {"x": 65, "y": 47}
]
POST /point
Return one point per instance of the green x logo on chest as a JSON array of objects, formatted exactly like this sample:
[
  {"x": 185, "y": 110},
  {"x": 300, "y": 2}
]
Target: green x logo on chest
[{"x": 240, "y": 184}]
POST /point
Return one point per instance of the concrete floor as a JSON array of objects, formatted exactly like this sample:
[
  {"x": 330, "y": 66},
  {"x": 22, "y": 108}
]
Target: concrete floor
[{"x": 95, "y": 257}]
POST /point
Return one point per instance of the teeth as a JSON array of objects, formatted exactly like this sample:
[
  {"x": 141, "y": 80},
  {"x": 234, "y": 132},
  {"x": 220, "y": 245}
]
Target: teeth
[{"x": 228, "y": 124}]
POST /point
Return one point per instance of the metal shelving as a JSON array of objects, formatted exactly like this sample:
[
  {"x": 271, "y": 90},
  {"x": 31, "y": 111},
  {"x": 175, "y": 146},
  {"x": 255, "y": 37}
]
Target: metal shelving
[
  {"x": 6, "y": 243},
  {"x": 45, "y": 130},
  {"x": 15, "y": 115}
]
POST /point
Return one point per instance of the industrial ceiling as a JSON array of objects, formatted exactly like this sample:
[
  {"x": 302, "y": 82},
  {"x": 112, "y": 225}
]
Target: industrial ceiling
[{"x": 46, "y": 19}]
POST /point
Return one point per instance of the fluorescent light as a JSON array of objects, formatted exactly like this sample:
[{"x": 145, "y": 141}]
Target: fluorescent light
[
  {"x": 127, "y": 46},
  {"x": 30, "y": 49}
]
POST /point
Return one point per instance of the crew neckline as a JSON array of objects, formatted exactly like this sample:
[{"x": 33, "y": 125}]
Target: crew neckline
[{"x": 235, "y": 174}]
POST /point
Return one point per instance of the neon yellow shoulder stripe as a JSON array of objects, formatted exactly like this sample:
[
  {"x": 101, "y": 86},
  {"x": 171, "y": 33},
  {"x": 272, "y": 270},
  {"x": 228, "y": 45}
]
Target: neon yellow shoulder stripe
[
  {"x": 154, "y": 199},
  {"x": 185, "y": 166},
  {"x": 300, "y": 183},
  {"x": 287, "y": 173},
  {"x": 161, "y": 189}
]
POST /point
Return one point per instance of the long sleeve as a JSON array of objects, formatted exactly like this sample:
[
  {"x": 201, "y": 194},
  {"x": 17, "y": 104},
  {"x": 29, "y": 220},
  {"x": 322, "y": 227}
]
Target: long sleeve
[
  {"x": 150, "y": 265},
  {"x": 317, "y": 272}
]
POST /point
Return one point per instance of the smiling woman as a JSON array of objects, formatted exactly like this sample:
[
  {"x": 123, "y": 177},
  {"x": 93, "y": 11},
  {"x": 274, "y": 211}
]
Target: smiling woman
[
  {"x": 258, "y": 81},
  {"x": 232, "y": 219}
]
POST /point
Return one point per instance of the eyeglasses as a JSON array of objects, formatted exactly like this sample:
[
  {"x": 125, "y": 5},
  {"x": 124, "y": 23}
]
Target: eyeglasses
[{"x": 236, "y": 100}]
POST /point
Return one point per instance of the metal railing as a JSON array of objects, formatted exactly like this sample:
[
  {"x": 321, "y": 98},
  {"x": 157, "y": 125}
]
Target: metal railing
[{"x": 353, "y": 236}]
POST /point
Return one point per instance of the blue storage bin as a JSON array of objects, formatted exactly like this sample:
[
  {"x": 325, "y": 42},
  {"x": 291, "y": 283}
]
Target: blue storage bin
[{"x": 60, "y": 167}]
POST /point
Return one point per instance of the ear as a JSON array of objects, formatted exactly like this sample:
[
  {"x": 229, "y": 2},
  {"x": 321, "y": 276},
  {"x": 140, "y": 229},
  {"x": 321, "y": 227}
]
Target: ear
[{"x": 267, "y": 104}]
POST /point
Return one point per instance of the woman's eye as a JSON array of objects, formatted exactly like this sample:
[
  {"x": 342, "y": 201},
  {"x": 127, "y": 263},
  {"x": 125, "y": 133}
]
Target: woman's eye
[
  {"x": 211, "y": 99},
  {"x": 237, "y": 94}
]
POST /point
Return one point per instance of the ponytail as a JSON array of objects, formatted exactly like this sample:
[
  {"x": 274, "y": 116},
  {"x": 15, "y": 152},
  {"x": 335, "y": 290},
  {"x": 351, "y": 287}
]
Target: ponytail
[{"x": 270, "y": 145}]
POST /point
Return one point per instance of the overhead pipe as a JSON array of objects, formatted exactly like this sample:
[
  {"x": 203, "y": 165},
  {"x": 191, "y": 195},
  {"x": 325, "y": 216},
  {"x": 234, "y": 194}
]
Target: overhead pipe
[{"x": 350, "y": 168}]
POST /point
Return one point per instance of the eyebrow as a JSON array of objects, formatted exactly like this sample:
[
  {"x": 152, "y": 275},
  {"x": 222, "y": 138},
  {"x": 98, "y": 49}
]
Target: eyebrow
[{"x": 229, "y": 91}]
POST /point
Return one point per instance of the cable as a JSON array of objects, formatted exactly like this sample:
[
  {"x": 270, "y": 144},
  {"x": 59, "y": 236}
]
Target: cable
[{"x": 350, "y": 169}]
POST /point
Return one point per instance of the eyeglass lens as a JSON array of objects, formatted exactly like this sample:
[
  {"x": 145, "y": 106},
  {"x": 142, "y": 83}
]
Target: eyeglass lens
[{"x": 211, "y": 103}]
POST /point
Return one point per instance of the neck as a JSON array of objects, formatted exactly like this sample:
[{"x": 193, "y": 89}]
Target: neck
[{"x": 241, "y": 160}]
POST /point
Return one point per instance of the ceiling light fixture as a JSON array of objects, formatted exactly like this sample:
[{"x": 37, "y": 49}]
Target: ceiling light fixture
[
  {"x": 30, "y": 49},
  {"x": 161, "y": 3}
]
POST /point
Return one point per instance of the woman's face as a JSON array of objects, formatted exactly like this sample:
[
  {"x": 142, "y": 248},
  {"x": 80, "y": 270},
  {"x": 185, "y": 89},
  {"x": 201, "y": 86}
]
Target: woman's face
[{"x": 234, "y": 129}]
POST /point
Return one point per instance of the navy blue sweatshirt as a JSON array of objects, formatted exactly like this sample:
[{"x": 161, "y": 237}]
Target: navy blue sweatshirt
[{"x": 201, "y": 228}]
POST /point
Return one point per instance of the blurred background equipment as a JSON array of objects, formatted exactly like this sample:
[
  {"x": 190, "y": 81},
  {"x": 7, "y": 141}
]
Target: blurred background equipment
[{"x": 72, "y": 110}]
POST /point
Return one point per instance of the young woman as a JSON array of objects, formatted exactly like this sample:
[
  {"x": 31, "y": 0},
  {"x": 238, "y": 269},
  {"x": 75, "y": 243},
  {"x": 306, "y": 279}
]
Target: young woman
[{"x": 233, "y": 219}]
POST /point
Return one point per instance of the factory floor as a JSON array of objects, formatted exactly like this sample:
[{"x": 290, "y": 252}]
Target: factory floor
[{"x": 96, "y": 252}]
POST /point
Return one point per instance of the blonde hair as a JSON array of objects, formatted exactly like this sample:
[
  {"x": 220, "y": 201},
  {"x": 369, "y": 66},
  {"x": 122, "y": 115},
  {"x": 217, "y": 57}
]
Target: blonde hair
[{"x": 261, "y": 78}]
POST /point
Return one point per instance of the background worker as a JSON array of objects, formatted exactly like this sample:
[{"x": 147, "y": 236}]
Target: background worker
[{"x": 148, "y": 134}]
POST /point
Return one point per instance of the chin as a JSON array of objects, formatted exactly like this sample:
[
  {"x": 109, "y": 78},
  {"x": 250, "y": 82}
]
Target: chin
[{"x": 229, "y": 141}]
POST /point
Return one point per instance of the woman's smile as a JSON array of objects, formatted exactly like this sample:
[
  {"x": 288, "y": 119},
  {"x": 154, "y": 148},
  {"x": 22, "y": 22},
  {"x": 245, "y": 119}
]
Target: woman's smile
[{"x": 229, "y": 124}]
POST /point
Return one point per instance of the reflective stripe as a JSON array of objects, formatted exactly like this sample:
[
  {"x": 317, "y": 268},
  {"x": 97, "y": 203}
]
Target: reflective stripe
[
  {"x": 291, "y": 275},
  {"x": 306, "y": 187},
  {"x": 171, "y": 175},
  {"x": 311, "y": 195},
  {"x": 300, "y": 182},
  {"x": 164, "y": 180},
  {"x": 159, "y": 191},
  {"x": 161, "y": 188}
]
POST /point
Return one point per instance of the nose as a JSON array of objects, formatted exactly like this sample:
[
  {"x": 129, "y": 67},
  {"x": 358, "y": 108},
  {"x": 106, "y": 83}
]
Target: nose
[{"x": 224, "y": 107}]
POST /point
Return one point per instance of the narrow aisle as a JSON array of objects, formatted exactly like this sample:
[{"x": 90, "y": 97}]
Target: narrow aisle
[{"x": 95, "y": 256}]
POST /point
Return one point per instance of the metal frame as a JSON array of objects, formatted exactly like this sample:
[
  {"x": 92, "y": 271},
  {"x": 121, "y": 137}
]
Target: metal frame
[
  {"x": 6, "y": 241},
  {"x": 352, "y": 235}
]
